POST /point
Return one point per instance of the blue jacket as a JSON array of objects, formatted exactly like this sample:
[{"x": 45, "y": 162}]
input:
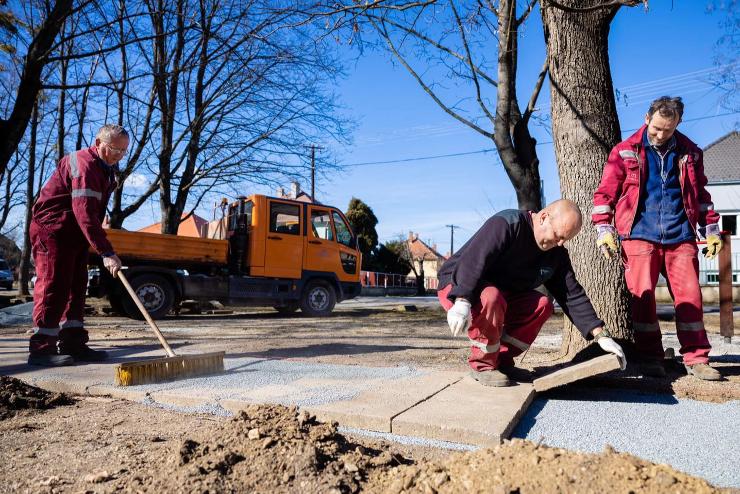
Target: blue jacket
[{"x": 660, "y": 216}]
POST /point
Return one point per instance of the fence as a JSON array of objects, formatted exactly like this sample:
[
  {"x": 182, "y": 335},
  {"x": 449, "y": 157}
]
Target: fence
[
  {"x": 709, "y": 270},
  {"x": 393, "y": 280}
]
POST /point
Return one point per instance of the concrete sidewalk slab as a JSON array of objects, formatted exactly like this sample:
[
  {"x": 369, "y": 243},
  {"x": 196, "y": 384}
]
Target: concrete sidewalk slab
[
  {"x": 593, "y": 367},
  {"x": 467, "y": 412},
  {"x": 402, "y": 400},
  {"x": 375, "y": 409}
]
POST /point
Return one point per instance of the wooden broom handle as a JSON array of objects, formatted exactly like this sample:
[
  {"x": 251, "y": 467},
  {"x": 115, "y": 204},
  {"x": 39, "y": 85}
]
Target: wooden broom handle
[{"x": 146, "y": 315}]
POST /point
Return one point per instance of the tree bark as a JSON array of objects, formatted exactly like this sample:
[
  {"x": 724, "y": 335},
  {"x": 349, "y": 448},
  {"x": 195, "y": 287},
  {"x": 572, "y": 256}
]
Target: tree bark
[
  {"x": 14, "y": 127},
  {"x": 515, "y": 145},
  {"x": 585, "y": 127},
  {"x": 24, "y": 275}
]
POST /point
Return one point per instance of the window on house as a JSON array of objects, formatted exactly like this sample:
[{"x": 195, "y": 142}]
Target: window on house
[{"x": 729, "y": 223}]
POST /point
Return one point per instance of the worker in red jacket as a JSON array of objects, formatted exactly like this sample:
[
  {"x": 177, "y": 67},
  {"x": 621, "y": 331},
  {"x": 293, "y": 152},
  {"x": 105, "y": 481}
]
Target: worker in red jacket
[
  {"x": 653, "y": 188},
  {"x": 67, "y": 220}
]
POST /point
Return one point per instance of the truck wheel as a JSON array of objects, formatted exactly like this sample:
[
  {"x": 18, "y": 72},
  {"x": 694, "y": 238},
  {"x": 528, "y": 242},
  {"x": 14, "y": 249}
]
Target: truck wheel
[
  {"x": 318, "y": 299},
  {"x": 288, "y": 308},
  {"x": 156, "y": 294}
]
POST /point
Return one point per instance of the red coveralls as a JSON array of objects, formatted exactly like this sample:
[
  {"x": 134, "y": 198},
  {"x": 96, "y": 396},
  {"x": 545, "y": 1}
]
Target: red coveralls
[
  {"x": 617, "y": 198},
  {"x": 503, "y": 325},
  {"x": 67, "y": 220}
]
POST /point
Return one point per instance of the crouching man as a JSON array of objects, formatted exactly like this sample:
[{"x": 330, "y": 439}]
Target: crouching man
[{"x": 488, "y": 288}]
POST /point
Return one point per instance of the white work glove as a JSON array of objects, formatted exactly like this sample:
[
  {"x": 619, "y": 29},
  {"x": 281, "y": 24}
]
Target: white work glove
[
  {"x": 458, "y": 317},
  {"x": 112, "y": 264},
  {"x": 609, "y": 345}
]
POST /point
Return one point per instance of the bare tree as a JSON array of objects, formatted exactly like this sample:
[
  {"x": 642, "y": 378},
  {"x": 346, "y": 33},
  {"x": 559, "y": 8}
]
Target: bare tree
[
  {"x": 492, "y": 108},
  {"x": 14, "y": 126},
  {"x": 240, "y": 87},
  {"x": 585, "y": 127}
]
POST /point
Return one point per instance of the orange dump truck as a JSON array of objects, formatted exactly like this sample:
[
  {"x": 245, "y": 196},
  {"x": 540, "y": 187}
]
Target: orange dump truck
[{"x": 268, "y": 251}]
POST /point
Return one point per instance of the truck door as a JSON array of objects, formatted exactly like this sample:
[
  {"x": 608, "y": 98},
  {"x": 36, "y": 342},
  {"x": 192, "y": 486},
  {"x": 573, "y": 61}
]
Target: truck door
[
  {"x": 322, "y": 252},
  {"x": 349, "y": 261},
  {"x": 284, "y": 242}
]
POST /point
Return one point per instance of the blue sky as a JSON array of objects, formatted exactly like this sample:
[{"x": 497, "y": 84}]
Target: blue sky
[
  {"x": 668, "y": 50},
  {"x": 663, "y": 51}
]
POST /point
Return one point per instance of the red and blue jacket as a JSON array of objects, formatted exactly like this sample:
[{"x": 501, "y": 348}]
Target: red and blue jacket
[{"x": 623, "y": 185}]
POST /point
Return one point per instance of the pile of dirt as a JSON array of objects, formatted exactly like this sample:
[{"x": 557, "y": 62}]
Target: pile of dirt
[
  {"x": 15, "y": 395},
  {"x": 520, "y": 466},
  {"x": 268, "y": 448}
]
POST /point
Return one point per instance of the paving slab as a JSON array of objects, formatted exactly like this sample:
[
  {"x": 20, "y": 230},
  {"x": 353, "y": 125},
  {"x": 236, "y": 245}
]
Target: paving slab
[
  {"x": 375, "y": 409},
  {"x": 467, "y": 412},
  {"x": 593, "y": 367}
]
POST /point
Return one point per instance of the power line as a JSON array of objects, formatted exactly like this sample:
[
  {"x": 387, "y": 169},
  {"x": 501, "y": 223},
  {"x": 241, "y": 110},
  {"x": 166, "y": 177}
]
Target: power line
[{"x": 489, "y": 150}]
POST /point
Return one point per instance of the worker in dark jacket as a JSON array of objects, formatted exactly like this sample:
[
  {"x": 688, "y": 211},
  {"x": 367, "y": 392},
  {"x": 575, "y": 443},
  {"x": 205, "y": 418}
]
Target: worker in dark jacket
[
  {"x": 488, "y": 288},
  {"x": 67, "y": 220}
]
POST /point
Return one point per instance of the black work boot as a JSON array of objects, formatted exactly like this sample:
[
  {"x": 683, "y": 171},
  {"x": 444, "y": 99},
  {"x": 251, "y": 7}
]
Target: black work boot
[
  {"x": 42, "y": 351},
  {"x": 83, "y": 353},
  {"x": 653, "y": 368},
  {"x": 73, "y": 342},
  {"x": 49, "y": 359}
]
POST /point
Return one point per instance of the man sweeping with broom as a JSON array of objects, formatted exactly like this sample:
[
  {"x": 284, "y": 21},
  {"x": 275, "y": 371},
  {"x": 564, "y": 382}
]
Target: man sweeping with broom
[{"x": 67, "y": 220}]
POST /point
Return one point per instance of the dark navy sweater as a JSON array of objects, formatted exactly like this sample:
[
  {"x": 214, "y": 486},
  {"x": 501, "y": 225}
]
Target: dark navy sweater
[{"x": 504, "y": 253}]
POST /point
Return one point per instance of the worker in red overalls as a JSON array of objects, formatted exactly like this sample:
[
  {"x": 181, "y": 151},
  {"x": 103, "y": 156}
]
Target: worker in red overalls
[
  {"x": 653, "y": 197},
  {"x": 67, "y": 220}
]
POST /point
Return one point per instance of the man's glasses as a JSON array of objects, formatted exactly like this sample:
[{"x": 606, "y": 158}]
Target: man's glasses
[{"x": 120, "y": 151}]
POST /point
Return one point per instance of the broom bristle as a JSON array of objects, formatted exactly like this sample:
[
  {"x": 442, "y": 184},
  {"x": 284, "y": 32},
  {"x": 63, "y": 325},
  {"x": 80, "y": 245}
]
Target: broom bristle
[{"x": 168, "y": 368}]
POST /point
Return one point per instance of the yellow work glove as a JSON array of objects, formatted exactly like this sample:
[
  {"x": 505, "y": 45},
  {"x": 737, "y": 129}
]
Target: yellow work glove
[
  {"x": 714, "y": 241},
  {"x": 714, "y": 245},
  {"x": 606, "y": 240}
]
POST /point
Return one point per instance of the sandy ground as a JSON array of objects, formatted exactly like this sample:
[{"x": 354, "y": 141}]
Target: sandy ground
[{"x": 106, "y": 445}]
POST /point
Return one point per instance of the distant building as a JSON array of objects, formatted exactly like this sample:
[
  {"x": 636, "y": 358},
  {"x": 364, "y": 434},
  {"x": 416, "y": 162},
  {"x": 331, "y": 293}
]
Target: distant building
[
  {"x": 422, "y": 253},
  {"x": 194, "y": 226},
  {"x": 295, "y": 193},
  {"x": 722, "y": 168}
]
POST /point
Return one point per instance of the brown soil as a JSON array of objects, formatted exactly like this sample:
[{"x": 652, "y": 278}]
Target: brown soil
[
  {"x": 16, "y": 397},
  {"x": 105, "y": 445}
]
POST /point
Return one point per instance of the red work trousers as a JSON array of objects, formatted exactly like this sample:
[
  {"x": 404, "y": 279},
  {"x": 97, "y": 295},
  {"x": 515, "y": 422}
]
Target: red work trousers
[
  {"x": 504, "y": 324},
  {"x": 679, "y": 264},
  {"x": 59, "y": 291}
]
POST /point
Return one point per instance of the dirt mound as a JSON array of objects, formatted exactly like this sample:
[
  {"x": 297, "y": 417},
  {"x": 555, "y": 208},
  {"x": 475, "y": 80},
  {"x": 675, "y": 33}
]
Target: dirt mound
[
  {"x": 16, "y": 395},
  {"x": 269, "y": 449},
  {"x": 523, "y": 467}
]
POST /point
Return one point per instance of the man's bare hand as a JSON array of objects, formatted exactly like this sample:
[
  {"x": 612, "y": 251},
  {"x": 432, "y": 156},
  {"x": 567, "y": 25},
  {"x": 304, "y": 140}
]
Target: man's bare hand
[{"x": 112, "y": 264}]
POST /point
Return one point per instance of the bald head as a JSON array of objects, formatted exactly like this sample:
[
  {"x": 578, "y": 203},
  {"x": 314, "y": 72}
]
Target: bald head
[{"x": 559, "y": 222}]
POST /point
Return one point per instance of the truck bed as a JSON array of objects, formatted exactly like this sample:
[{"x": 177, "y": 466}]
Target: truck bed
[{"x": 168, "y": 248}]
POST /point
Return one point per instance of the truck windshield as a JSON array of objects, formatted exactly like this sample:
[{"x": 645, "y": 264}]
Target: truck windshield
[{"x": 344, "y": 234}]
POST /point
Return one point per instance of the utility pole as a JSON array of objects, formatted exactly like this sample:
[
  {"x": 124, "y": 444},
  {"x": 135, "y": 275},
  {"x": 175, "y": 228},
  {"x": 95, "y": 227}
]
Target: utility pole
[
  {"x": 452, "y": 237},
  {"x": 313, "y": 170}
]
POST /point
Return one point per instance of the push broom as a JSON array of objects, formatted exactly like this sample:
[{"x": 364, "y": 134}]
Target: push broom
[{"x": 167, "y": 368}]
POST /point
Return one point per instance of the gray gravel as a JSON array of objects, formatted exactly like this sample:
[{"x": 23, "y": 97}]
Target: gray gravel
[
  {"x": 695, "y": 437},
  {"x": 334, "y": 382}
]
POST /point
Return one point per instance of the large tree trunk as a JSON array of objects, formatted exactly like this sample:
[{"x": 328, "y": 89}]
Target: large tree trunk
[{"x": 585, "y": 127}]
